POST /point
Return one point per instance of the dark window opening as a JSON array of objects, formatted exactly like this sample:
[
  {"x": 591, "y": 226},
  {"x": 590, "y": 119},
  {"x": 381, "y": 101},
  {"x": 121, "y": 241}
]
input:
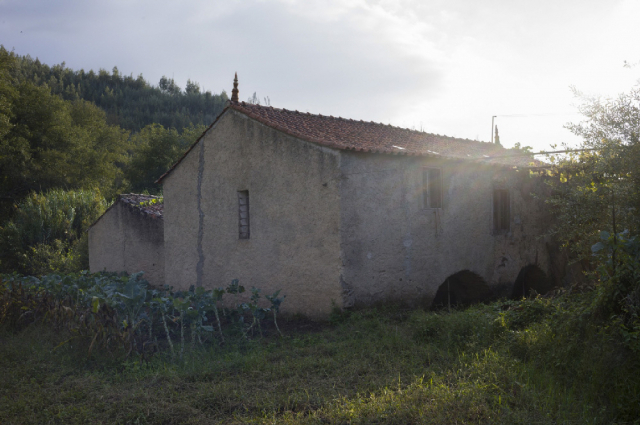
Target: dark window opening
[
  {"x": 432, "y": 187},
  {"x": 501, "y": 210},
  {"x": 243, "y": 214}
]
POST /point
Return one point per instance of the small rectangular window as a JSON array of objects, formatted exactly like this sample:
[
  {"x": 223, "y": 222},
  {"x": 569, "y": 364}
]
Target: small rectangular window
[
  {"x": 432, "y": 187},
  {"x": 501, "y": 210},
  {"x": 243, "y": 214}
]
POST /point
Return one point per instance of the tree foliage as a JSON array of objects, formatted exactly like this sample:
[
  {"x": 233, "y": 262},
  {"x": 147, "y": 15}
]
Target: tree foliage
[
  {"x": 7, "y": 93},
  {"x": 74, "y": 131},
  {"x": 47, "y": 232},
  {"x": 55, "y": 143},
  {"x": 132, "y": 103},
  {"x": 598, "y": 189},
  {"x": 155, "y": 150},
  {"x": 596, "y": 198}
]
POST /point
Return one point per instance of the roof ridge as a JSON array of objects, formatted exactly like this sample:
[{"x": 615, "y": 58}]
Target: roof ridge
[{"x": 414, "y": 131}]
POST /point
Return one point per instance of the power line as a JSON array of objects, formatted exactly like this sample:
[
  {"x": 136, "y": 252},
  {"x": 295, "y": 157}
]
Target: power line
[
  {"x": 550, "y": 114},
  {"x": 543, "y": 153}
]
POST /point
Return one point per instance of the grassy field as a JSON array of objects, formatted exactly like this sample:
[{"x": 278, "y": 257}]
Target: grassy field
[{"x": 489, "y": 364}]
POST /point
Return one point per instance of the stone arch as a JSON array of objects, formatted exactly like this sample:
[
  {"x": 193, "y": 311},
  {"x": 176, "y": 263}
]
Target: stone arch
[
  {"x": 462, "y": 289},
  {"x": 530, "y": 278}
]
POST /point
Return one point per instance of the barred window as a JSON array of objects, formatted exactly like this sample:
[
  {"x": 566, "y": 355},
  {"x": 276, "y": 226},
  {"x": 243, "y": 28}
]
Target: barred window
[
  {"x": 501, "y": 210},
  {"x": 243, "y": 214},
  {"x": 432, "y": 187}
]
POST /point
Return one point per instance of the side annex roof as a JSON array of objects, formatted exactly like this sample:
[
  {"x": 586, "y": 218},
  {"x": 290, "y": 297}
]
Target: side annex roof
[{"x": 148, "y": 205}]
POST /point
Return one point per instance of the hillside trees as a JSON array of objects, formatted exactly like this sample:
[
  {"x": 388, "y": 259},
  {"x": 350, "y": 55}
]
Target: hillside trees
[
  {"x": 7, "y": 93},
  {"x": 130, "y": 102},
  {"x": 54, "y": 137},
  {"x": 55, "y": 157},
  {"x": 56, "y": 144},
  {"x": 155, "y": 150}
]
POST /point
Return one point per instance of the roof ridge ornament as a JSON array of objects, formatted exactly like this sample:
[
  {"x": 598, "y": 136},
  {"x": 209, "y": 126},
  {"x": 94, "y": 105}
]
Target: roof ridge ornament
[{"x": 234, "y": 92}]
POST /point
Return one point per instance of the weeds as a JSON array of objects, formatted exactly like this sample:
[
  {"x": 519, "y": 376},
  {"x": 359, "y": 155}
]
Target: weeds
[
  {"x": 541, "y": 360},
  {"x": 380, "y": 366}
]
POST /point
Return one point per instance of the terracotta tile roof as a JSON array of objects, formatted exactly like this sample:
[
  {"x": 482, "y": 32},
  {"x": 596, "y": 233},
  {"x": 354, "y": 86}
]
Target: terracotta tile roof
[
  {"x": 365, "y": 136},
  {"x": 147, "y": 204}
]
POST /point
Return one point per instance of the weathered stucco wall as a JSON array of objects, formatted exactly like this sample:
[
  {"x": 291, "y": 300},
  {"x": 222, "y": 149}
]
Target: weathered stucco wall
[
  {"x": 293, "y": 187},
  {"x": 524, "y": 244},
  {"x": 335, "y": 226},
  {"x": 124, "y": 239},
  {"x": 181, "y": 216},
  {"x": 393, "y": 248}
]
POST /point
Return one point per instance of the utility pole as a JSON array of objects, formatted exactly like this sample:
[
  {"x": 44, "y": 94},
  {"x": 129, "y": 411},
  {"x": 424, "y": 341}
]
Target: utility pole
[{"x": 492, "y": 127}]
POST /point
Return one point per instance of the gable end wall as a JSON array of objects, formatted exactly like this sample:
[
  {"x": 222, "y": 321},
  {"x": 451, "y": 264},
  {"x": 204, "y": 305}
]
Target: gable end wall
[{"x": 293, "y": 191}]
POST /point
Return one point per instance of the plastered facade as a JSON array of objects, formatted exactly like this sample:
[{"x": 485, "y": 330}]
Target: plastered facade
[
  {"x": 293, "y": 188},
  {"x": 393, "y": 248},
  {"x": 124, "y": 239},
  {"x": 331, "y": 226}
]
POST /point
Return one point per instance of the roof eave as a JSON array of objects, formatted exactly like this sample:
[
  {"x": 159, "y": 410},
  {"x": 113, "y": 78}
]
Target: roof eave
[{"x": 193, "y": 145}]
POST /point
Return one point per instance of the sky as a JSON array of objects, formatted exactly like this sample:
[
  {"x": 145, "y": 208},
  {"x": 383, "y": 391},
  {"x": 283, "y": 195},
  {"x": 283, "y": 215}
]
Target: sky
[{"x": 442, "y": 66}]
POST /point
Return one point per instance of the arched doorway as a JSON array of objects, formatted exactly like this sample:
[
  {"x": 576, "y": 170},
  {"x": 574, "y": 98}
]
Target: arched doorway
[
  {"x": 530, "y": 278},
  {"x": 462, "y": 289}
]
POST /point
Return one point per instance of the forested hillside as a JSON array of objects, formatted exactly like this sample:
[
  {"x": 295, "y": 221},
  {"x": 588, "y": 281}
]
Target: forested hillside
[
  {"x": 65, "y": 134},
  {"x": 131, "y": 103}
]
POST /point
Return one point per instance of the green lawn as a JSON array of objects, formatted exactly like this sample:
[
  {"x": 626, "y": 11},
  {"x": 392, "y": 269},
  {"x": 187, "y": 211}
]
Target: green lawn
[{"x": 379, "y": 365}]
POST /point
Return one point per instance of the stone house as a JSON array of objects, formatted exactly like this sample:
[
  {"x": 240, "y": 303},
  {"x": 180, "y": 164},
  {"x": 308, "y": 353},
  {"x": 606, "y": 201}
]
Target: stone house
[
  {"x": 129, "y": 237},
  {"x": 341, "y": 212}
]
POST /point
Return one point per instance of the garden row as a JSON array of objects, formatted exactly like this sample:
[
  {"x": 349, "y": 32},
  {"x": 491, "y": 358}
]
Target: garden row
[{"x": 122, "y": 312}]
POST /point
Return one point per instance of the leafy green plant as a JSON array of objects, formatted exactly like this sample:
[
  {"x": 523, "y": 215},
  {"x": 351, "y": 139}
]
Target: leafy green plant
[
  {"x": 216, "y": 297},
  {"x": 257, "y": 313},
  {"x": 165, "y": 308},
  {"x": 151, "y": 202},
  {"x": 275, "y": 307}
]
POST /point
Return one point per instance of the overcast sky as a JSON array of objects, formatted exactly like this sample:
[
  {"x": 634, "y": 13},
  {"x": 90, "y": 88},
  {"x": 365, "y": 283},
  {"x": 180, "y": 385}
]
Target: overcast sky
[{"x": 445, "y": 66}]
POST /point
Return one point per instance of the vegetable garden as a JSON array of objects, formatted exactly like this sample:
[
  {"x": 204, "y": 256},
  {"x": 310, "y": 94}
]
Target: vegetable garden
[{"x": 123, "y": 313}]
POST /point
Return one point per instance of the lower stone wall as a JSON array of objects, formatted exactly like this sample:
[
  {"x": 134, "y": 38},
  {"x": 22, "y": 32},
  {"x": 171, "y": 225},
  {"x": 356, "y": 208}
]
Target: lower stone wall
[{"x": 394, "y": 248}]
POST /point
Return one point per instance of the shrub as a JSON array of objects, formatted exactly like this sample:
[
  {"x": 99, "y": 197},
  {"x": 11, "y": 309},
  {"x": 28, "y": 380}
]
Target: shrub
[{"x": 48, "y": 232}]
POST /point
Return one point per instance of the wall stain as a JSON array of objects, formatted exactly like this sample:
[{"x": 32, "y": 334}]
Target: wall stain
[{"x": 200, "y": 265}]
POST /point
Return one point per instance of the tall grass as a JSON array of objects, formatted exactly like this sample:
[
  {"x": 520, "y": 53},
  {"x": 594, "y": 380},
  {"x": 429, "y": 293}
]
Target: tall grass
[{"x": 533, "y": 361}]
